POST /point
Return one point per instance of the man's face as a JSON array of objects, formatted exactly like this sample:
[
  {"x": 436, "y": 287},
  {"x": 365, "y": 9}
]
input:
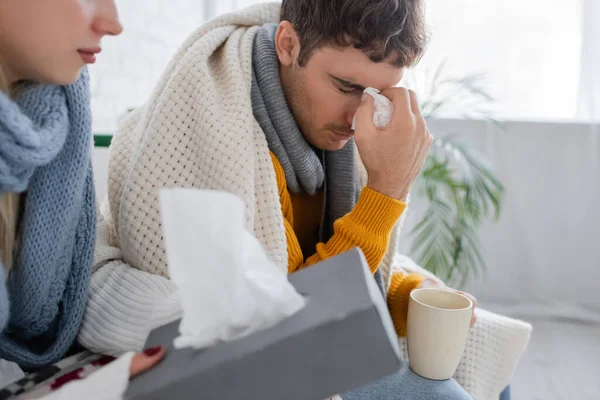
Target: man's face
[{"x": 325, "y": 93}]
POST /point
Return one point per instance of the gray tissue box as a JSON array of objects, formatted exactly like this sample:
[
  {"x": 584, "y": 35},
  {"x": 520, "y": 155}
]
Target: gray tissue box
[{"x": 342, "y": 339}]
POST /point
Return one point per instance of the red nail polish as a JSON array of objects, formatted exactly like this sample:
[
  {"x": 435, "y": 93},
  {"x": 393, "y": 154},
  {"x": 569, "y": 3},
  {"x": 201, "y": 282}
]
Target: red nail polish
[
  {"x": 104, "y": 360},
  {"x": 152, "y": 351}
]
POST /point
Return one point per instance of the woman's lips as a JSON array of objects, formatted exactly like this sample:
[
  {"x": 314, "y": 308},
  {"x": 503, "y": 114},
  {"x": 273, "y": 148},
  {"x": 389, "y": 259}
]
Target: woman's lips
[{"x": 89, "y": 55}]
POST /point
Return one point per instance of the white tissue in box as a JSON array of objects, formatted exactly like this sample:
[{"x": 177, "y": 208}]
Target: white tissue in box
[{"x": 228, "y": 286}]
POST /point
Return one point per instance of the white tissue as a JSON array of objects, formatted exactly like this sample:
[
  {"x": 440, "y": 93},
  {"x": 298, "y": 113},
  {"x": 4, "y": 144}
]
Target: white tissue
[
  {"x": 382, "y": 114},
  {"x": 228, "y": 286}
]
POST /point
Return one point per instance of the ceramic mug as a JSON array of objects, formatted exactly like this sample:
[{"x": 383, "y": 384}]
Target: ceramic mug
[{"x": 437, "y": 328}]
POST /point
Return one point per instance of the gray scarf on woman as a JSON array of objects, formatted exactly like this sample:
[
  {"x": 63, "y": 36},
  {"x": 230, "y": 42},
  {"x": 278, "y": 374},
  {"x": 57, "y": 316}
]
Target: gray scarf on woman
[{"x": 306, "y": 169}]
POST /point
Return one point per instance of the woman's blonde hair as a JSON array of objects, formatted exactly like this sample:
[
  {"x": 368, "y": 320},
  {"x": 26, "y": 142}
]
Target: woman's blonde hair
[{"x": 8, "y": 207}]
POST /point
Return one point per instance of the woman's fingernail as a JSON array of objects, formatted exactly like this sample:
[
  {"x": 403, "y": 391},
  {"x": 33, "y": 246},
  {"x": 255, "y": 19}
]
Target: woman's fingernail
[
  {"x": 364, "y": 97},
  {"x": 152, "y": 351}
]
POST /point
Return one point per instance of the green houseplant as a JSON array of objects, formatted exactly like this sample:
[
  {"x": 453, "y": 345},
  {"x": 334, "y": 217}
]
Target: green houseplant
[{"x": 458, "y": 185}]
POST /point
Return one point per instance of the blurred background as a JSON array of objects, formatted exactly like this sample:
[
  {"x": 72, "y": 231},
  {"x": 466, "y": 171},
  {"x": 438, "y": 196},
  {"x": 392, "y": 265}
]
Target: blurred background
[{"x": 507, "y": 204}]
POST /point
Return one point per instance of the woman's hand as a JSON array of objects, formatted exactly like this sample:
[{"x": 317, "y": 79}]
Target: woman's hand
[{"x": 142, "y": 362}]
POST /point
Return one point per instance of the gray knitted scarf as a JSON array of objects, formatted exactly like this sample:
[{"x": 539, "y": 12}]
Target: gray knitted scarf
[
  {"x": 45, "y": 150},
  {"x": 306, "y": 169}
]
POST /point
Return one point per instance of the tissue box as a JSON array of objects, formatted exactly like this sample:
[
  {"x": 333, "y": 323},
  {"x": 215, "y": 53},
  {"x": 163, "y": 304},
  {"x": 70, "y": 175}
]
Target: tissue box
[{"x": 343, "y": 338}]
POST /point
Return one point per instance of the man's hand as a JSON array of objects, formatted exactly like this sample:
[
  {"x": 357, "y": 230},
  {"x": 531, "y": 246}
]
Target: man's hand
[
  {"x": 430, "y": 283},
  {"x": 393, "y": 155}
]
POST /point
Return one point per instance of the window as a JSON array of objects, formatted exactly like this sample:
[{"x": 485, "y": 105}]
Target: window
[
  {"x": 541, "y": 58},
  {"x": 529, "y": 51}
]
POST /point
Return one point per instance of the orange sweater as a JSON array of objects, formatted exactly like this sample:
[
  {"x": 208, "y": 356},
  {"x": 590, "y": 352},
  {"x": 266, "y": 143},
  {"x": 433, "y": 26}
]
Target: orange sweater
[{"x": 368, "y": 226}]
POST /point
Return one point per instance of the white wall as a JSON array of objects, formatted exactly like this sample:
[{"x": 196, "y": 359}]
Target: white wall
[
  {"x": 544, "y": 252},
  {"x": 589, "y": 84},
  {"x": 543, "y": 255},
  {"x": 512, "y": 43},
  {"x": 130, "y": 65}
]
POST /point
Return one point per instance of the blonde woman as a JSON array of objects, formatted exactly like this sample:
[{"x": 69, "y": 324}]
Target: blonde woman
[{"x": 47, "y": 201}]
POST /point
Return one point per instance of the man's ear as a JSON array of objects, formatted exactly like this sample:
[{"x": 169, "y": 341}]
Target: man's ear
[{"x": 287, "y": 44}]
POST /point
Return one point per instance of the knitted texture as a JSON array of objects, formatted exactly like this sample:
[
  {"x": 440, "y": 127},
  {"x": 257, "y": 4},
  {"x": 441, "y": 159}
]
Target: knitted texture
[
  {"x": 302, "y": 166},
  {"x": 46, "y": 145},
  {"x": 124, "y": 304},
  {"x": 198, "y": 130}
]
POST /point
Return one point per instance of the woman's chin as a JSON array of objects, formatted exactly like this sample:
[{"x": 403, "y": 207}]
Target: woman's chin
[{"x": 65, "y": 76}]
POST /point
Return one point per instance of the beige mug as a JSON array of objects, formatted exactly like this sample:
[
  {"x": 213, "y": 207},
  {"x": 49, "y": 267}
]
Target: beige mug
[{"x": 437, "y": 328}]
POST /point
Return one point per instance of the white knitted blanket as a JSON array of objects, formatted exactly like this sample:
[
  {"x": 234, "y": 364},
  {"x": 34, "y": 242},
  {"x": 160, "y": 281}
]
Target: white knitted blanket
[{"x": 198, "y": 130}]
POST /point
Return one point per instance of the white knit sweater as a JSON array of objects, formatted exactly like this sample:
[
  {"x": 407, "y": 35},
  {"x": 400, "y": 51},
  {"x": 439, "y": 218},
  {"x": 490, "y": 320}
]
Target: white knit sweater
[{"x": 198, "y": 130}]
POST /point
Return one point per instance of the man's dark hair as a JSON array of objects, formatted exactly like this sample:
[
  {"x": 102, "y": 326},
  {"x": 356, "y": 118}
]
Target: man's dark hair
[{"x": 385, "y": 30}]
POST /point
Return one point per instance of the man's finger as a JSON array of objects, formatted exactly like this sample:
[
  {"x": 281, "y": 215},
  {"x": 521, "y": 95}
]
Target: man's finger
[
  {"x": 470, "y": 297},
  {"x": 430, "y": 283},
  {"x": 414, "y": 104},
  {"x": 400, "y": 99}
]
